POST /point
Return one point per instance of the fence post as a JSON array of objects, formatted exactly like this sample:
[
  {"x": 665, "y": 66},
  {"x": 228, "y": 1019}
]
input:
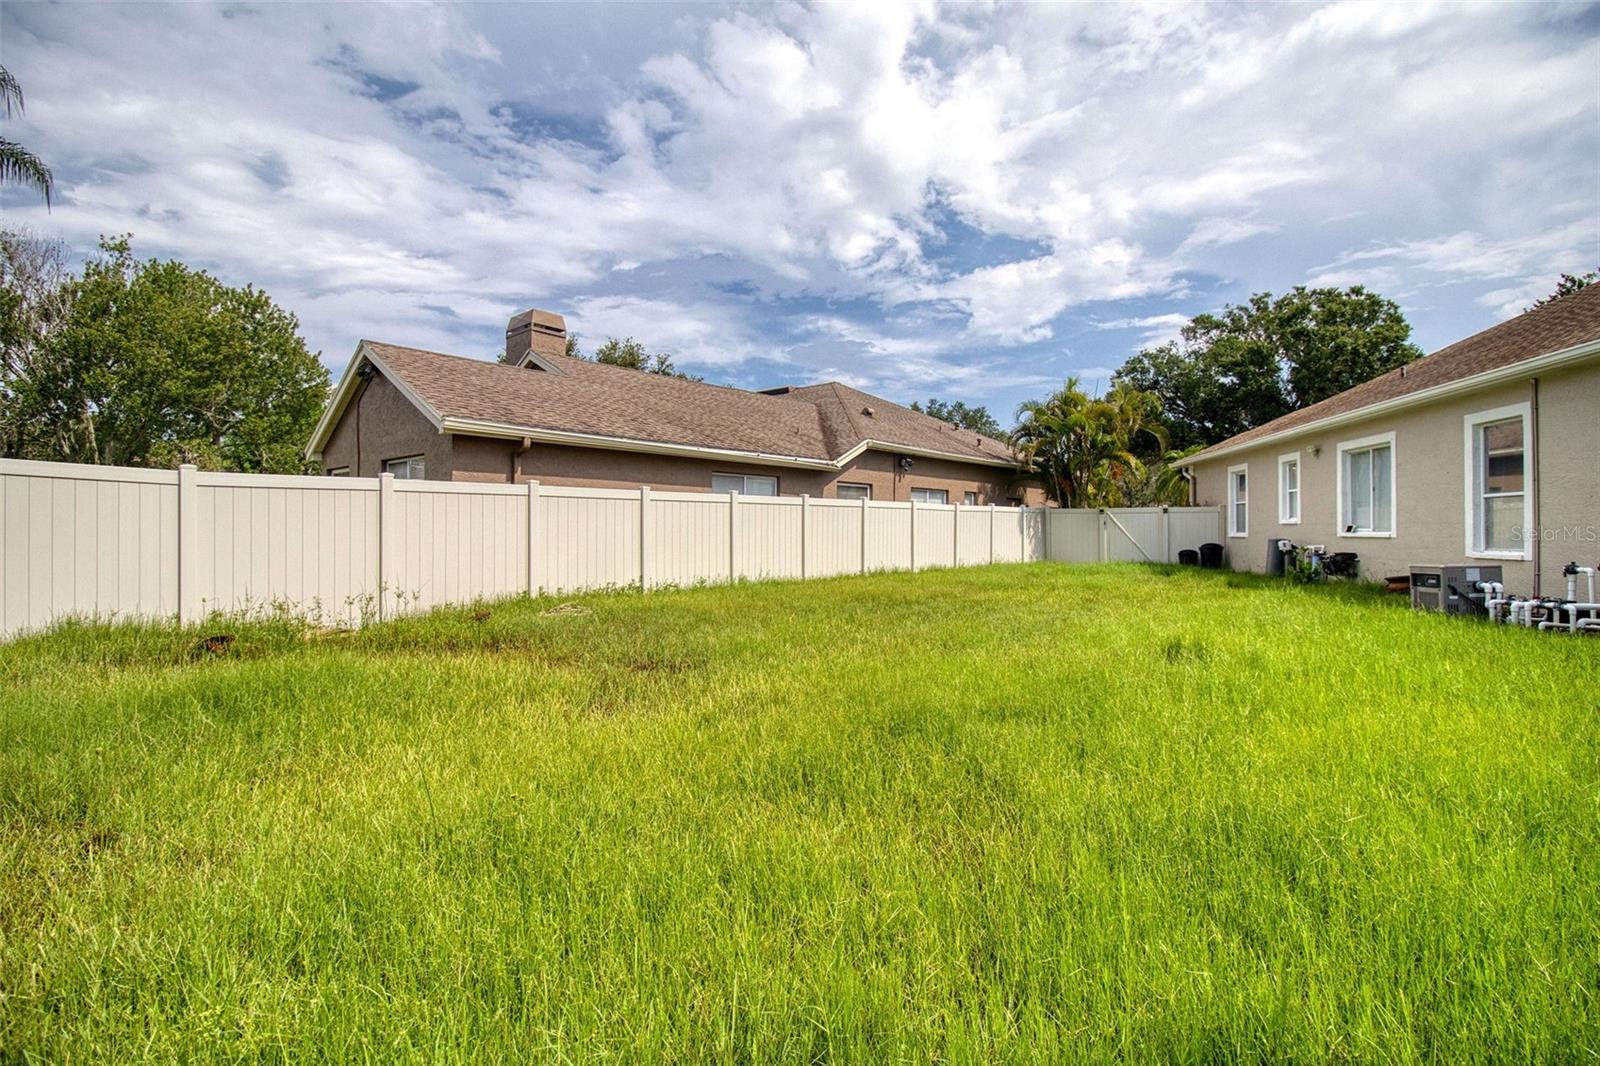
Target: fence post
[
  {"x": 955, "y": 536},
  {"x": 805, "y": 528},
  {"x": 535, "y": 529},
  {"x": 387, "y": 541},
  {"x": 1103, "y": 524},
  {"x": 864, "y": 503},
  {"x": 1166, "y": 534},
  {"x": 991, "y": 533},
  {"x": 644, "y": 538},
  {"x": 733, "y": 536},
  {"x": 1045, "y": 525},
  {"x": 188, "y": 545},
  {"x": 913, "y": 534}
]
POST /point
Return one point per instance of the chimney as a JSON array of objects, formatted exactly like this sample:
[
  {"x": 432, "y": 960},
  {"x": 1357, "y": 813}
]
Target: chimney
[{"x": 538, "y": 333}]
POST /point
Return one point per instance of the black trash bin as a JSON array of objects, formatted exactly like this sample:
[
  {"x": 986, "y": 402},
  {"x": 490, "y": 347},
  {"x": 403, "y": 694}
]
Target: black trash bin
[
  {"x": 1275, "y": 561},
  {"x": 1211, "y": 556},
  {"x": 1188, "y": 557}
]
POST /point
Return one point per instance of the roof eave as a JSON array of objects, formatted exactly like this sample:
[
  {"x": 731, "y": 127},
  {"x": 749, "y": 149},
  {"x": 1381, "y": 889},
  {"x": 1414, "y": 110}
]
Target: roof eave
[
  {"x": 477, "y": 428},
  {"x": 1471, "y": 383},
  {"x": 922, "y": 453}
]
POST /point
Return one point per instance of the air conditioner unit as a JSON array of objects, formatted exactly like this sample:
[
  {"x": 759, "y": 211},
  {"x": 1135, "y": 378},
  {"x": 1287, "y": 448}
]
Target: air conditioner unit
[{"x": 1451, "y": 589}]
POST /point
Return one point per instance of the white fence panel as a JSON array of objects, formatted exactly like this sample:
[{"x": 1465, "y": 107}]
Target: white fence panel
[
  {"x": 689, "y": 535},
  {"x": 1034, "y": 545},
  {"x": 590, "y": 539},
  {"x": 936, "y": 526},
  {"x": 1010, "y": 535},
  {"x": 306, "y": 544},
  {"x": 1192, "y": 527},
  {"x": 457, "y": 542},
  {"x": 768, "y": 534},
  {"x": 888, "y": 536},
  {"x": 974, "y": 542},
  {"x": 1072, "y": 536},
  {"x": 834, "y": 543},
  {"x": 87, "y": 541}
]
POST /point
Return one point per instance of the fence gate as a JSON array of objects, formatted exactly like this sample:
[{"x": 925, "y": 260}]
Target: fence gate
[{"x": 1128, "y": 534}]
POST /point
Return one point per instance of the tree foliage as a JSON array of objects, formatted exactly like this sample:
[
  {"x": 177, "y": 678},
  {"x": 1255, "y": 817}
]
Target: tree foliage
[
  {"x": 631, "y": 354},
  {"x": 18, "y": 166},
  {"x": 152, "y": 363},
  {"x": 1569, "y": 284},
  {"x": 1085, "y": 452},
  {"x": 1251, "y": 363},
  {"x": 957, "y": 413}
]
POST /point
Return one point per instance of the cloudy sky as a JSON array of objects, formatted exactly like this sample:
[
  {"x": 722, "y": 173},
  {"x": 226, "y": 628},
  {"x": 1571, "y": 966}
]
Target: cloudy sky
[{"x": 964, "y": 201}]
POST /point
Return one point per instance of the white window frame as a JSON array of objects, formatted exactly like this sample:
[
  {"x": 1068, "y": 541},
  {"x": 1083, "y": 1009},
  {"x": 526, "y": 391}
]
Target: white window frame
[
  {"x": 866, "y": 488},
  {"x": 1361, "y": 444},
  {"x": 422, "y": 466},
  {"x": 339, "y": 471},
  {"x": 1472, "y": 483},
  {"x": 942, "y": 494},
  {"x": 1284, "y": 461},
  {"x": 1234, "y": 501},
  {"x": 969, "y": 499},
  {"x": 744, "y": 482}
]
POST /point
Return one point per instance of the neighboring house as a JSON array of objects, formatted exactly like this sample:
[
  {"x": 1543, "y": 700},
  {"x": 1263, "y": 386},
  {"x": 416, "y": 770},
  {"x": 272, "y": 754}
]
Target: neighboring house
[
  {"x": 1485, "y": 451},
  {"x": 545, "y": 416}
]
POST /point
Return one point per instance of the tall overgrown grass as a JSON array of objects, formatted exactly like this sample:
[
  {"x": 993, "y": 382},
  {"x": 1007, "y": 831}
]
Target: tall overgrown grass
[{"x": 1019, "y": 813}]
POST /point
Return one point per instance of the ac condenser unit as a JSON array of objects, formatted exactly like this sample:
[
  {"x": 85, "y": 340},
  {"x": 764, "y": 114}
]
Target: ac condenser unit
[{"x": 1451, "y": 589}]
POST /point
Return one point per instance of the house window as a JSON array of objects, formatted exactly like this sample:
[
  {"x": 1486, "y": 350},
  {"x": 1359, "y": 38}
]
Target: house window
[
  {"x": 1289, "y": 488},
  {"x": 744, "y": 484},
  {"x": 1366, "y": 487},
  {"x": 410, "y": 468},
  {"x": 1013, "y": 501},
  {"x": 970, "y": 499},
  {"x": 848, "y": 490},
  {"x": 930, "y": 495},
  {"x": 1499, "y": 508},
  {"x": 339, "y": 471},
  {"x": 1238, "y": 500}
]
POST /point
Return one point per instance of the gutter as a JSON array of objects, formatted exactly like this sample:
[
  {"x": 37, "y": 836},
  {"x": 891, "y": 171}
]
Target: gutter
[{"x": 1486, "y": 379}]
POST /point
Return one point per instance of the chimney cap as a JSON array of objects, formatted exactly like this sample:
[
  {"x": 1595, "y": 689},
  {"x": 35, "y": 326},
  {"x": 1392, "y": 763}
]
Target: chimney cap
[{"x": 538, "y": 320}]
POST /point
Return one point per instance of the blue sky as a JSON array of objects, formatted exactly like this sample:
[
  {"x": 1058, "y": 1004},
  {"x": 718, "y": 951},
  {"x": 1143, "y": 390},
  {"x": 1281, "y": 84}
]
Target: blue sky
[{"x": 965, "y": 201}]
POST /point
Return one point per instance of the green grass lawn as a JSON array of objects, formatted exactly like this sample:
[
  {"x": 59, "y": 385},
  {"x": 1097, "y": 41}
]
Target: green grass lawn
[{"x": 1031, "y": 813}]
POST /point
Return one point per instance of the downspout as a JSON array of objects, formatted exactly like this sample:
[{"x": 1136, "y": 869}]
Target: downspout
[
  {"x": 527, "y": 446},
  {"x": 1533, "y": 484}
]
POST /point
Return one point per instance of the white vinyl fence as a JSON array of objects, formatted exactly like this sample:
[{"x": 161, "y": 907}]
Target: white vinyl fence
[{"x": 119, "y": 542}]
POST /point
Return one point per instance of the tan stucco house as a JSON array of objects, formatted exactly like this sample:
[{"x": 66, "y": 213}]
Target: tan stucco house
[
  {"x": 1487, "y": 451},
  {"x": 547, "y": 417}
]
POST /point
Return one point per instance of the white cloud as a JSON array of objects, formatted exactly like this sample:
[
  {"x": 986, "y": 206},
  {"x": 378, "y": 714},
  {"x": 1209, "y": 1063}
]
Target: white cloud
[{"x": 432, "y": 168}]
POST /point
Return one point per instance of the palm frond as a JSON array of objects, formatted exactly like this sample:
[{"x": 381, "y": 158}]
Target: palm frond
[
  {"x": 10, "y": 91},
  {"x": 21, "y": 167}
]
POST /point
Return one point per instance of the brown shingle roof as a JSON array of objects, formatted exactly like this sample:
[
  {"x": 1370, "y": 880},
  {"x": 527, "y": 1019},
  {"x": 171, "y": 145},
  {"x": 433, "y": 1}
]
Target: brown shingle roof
[
  {"x": 1557, "y": 326},
  {"x": 815, "y": 422},
  {"x": 843, "y": 411}
]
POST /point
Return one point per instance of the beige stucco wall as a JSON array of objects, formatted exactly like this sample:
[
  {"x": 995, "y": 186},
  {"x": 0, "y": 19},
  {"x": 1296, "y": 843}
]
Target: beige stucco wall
[
  {"x": 1430, "y": 484},
  {"x": 390, "y": 428}
]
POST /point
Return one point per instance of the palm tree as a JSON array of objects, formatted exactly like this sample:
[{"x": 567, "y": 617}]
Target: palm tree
[
  {"x": 18, "y": 165},
  {"x": 1082, "y": 449}
]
